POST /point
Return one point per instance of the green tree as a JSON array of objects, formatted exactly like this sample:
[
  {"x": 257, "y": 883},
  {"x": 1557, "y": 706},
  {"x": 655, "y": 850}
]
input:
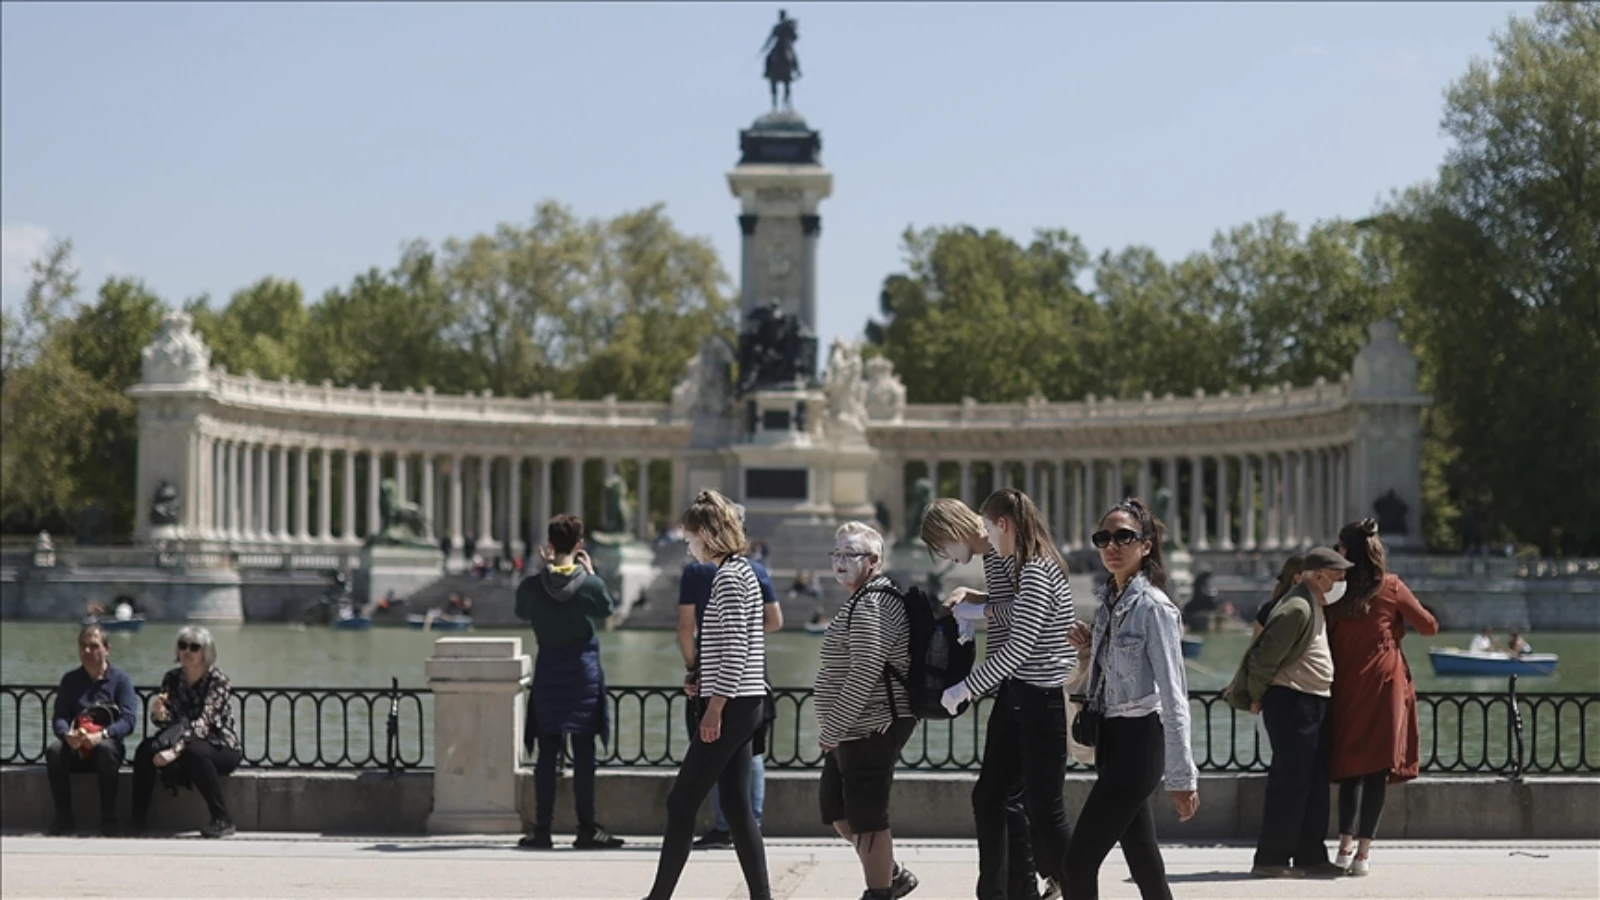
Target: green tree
[
  {"x": 261, "y": 330},
  {"x": 1505, "y": 259}
]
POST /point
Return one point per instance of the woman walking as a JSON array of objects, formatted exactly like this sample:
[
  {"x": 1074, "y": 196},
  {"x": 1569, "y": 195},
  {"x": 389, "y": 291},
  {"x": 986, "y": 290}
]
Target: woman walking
[
  {"x": 863, "y": 715},
  {"x": 1026, "y": 742},
  {"x": 952, "y": 531},
  {"x": 1137, "y": 684},
  {"x": 1374, "y": 708},
  {"x": 730, "y": 687}
]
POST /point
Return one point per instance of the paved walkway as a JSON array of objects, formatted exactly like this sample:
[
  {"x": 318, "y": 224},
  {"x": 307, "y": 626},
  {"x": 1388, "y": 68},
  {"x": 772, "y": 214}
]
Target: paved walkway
[{"x": 285, "y": 865}]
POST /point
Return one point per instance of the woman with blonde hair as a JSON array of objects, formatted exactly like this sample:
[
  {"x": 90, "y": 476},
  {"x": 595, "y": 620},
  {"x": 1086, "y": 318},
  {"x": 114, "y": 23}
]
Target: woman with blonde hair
[
  {"x": 952, "y": 531},
  {"x": 1026, "y": 743},
  {"x": 729, "y": 684}
]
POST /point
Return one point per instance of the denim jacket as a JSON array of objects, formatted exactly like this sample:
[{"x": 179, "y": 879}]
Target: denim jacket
[{"x": 1145, "y": 657}]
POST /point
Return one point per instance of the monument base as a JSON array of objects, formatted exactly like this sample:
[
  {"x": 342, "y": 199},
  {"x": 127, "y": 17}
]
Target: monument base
[
  {"x": 400, "y": 568},
  {"x": 628, "y": 569}
]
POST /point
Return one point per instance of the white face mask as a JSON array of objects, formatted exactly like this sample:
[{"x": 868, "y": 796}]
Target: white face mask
[
  {"x": 960, "y": 553},
  {"x": 697, "y": 547},
  {"x": 993, "y": 532},
  {"x": 1333, "y": 594}
]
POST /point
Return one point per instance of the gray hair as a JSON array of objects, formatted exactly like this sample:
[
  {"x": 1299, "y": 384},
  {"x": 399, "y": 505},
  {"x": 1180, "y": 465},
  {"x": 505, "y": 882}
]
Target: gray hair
[
  {"x": 94, "y": 629},
  {"x": 866, "y": 534},
  {"x": 202, "y": 636}
]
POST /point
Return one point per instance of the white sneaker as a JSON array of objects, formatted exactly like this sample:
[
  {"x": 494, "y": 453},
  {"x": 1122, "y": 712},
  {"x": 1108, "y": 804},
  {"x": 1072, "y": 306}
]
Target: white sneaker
[
  {"x": 1358, "y": 867},
  {"x": 1343, "y": 860},
  {"x": 1052, "y": 891}
]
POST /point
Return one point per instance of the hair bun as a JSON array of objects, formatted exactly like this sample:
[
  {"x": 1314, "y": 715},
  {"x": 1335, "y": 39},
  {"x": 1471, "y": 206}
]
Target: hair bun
[{"x": 1369, "y": 527}]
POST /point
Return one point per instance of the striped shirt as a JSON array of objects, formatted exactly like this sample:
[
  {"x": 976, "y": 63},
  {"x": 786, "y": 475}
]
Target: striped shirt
[
  {"x": 1035, "y": 649},
  {"x": 852, "y": 699},
  {"x": 997, "y": 584},
  {"x": 733, "y": 646}
]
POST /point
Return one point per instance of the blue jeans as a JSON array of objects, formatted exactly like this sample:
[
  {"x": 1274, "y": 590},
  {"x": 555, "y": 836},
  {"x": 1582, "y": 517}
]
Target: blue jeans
[{"x": 758, "y": 794}]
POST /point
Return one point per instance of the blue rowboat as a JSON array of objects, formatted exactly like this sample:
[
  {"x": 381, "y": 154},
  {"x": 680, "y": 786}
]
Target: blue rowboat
[
  {"x": 438, "y": 623},
  {"x": 132, "y": 624},
  {"x": 1449, "y": 661},
  {"x": 354, "y": 623},
  {"x": 1192, "y": 647}
]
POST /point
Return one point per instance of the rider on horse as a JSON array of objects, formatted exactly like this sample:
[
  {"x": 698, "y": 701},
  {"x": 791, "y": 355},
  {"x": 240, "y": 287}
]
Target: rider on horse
[{"x": 782, "y": 63}]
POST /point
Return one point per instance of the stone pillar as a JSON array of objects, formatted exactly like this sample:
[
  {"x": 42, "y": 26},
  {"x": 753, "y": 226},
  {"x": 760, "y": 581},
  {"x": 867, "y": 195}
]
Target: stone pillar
[
  {"x": 1080, "y": 470},
  {"x": 325, "y": 495},
  {"x": 1224, "y": 516},
  {"x": 263, "y": 491},
  {"x": 1341, "y": 500},
  {"x": 644, "y": 500},
  {"x": 402, "y": 480},
  {"x": 280, "y": 513},
  {"x": 1197, "y": 503},
  {"x": 1058, "y": 481},
  {"x": 347, "y": 517},
  {"x": 515, "y": 534},
  {"x": 1142, "y": 480},
  {"x": 933, "y": 474},
  {"x": 477, "y": 729},
  {"x": 485, "y": 500},
  {"x": 429, "y": 513},
  {"x": 547, "y": 491},
  {"x": 247, "y": 491},
  {"x": 374, "y": 475},
  {"x": 1302, "y": 498},
  {"x": 302, "y": 493},
  {"x": 1319, "y": 498},
  {"x": 1247, "y": 503},
  {"x": 1169, "y": 480},
  {"x": 964, "y": 489},
  {"x": 575, "y": 486},
  {"x": 811, "y": 228},
  {"x": 455, "y": 500},
  {"x": 1271, "y": 491}
]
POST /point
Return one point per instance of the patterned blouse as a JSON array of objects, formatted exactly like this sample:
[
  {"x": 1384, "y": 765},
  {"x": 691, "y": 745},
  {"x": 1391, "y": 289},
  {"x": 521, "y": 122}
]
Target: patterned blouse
[{"x": 205, "y": 704}]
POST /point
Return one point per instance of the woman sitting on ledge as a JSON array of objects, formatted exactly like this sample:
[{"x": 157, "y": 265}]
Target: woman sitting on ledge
[{"x": 197, "y": 743}]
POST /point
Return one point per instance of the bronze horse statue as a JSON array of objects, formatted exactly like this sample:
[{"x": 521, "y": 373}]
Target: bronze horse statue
[{"x": 783, "y": 66}]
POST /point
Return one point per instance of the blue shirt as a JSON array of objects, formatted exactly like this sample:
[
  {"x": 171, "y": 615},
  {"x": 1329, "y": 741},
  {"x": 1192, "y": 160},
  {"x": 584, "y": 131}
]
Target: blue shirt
[
  {"x": 694, "y": 587},
  {"x": 78, "y": 692}
]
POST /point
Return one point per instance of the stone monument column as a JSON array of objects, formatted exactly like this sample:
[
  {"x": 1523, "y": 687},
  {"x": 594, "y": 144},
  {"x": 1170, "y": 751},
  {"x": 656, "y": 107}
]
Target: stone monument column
[
  {"x": 1386, "y": 457},
  {"x": 477, "y": 725}
]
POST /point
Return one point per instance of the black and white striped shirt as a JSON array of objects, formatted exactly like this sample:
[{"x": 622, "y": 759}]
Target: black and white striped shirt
[
  {"x": 1035, "y": 649},
  {"x": 733, "y": 646},
  {"x": 997, "y": 584},
  {"x": 850, "y": 694}
]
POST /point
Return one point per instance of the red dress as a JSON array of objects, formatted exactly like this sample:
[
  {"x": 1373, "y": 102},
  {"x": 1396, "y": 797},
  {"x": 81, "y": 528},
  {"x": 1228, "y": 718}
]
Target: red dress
[{"x": 1374, "y": 710}]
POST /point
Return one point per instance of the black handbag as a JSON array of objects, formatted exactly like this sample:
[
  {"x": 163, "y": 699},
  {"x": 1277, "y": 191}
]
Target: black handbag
[{"x": 1086, "y": 724}]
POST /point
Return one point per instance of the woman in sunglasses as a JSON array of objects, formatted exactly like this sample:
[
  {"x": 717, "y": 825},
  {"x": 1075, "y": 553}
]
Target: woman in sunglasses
[
  {"x": 197, "y": 742},
  {"x": 1028, "y": 747},
  {"x": 1137, "y": 684}
]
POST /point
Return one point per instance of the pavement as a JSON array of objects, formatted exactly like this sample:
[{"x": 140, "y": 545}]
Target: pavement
[{"x": 262, "y": 865}]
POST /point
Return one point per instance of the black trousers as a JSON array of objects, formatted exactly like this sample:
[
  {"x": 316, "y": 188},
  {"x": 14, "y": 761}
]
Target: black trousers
[
  {"x": 1363, "y": 794},
  {"x": 202, "y": 763},
  {"x": 725, "y": 763},
  {"x": 1295, "y": 818},
  {"x": 1026, "y": 746},
  {"x": 1129, "y": 761},
  {"x": 544, "y": 777},
  {"x": 60, "y": 761}
]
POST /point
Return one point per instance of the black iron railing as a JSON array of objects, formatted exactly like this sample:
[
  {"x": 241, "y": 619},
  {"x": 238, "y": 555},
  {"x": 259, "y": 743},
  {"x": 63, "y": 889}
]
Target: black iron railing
[
  {"x": 279, "y": 727},
  {"x": 1507, "y": 733}
]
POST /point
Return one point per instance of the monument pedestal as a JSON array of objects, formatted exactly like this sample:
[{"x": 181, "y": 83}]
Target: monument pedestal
[
  {"x": 477, "y": 726},
  {"x": 402, "y": 568},
  {"x": 627, "y": 567}
]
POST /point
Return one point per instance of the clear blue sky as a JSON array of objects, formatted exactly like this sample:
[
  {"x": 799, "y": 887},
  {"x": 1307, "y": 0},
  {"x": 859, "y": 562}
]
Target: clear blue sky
[{"x": 203, "y": 146}]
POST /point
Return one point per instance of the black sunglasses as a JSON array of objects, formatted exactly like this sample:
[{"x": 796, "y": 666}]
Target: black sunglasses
[
  {"x": 192, "y": 648},
  {"x": 1122, "y": 537}
]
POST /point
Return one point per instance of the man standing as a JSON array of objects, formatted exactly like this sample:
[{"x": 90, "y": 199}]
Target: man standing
[
  {"x": 1287, "y": 677},
  {"x": 694, "y": 592},
  {"x": 95, "y": 708}
]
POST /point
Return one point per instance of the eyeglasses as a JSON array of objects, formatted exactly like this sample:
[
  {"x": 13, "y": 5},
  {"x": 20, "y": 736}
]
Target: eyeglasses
[
  {"x": 192, "y": 648},
  {"x": 839, "y": 556},
  {"x": 1122, "y": 537}
]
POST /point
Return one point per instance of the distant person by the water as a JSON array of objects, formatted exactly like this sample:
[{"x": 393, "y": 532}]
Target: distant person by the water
[
  {"x": 96, "y": 707},
  {"x": 1516, "y": 645},
  {"x": 1483, "y": 641},
  {"x": 1288, "y": 577}
]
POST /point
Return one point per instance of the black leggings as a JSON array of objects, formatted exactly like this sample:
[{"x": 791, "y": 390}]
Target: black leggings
[
  {"x": 1129, "y": 757},
  {"x": 725, "y": 763},
  {"x": 1366, "y": 793},
  {"x": 1026, "y": 747},
  {"x": 204, "y": 764}
]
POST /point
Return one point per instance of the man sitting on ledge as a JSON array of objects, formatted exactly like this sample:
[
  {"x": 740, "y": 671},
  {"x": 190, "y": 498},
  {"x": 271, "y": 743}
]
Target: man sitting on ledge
[{"x": 96, "y": 707}]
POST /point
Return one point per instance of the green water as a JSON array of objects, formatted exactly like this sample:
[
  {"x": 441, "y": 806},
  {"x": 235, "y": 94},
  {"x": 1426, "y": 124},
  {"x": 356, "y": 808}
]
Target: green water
[{"x": 270, "y": 655}]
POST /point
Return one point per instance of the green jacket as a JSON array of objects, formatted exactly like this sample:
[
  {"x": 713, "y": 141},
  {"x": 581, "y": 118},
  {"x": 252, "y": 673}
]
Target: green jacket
[
  {"x": 562, "y": 605},
  {"x": 1283, "y": 639}
]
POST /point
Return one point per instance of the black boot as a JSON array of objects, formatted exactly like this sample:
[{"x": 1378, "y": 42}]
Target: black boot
[{"x": 539, "y": 840}]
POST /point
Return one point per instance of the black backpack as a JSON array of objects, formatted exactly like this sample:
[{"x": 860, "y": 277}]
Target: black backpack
[{"x": 938, "y": 659}]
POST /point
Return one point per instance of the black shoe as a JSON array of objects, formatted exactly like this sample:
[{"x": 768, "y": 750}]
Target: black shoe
[
  {"x": 878, "y": 894},
  {"x": 1322, "y": 870},
  {"x": 594, "y": 837},
  {"x": 109, "y": 827},
  {"x": 62, "y": 825},
  {"x": 218, "y": 828},
  {"x": 904, "y": 882},
  {"x": 714, "y": 840},
  {"x": 1260, "y": 871},
  {"x": 136, "y": 826},
  {"x": 539, "y": 840}
]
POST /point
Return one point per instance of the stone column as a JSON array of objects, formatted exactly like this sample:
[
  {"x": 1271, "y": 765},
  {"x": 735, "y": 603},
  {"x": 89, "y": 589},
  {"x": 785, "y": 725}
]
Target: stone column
[
  {"x": 1319, "y": 497},
  {"x": 302, "y": 493},
  {"x": 429, "y": 513},
  {"x": 575, "y": 486},
  {"x": 348, "y": 532},
  {"x": 998, "y": 476},
  {"x": 1224, "y": 515},
  {"x": 1142, "y": 480},
  {"x": 1169, "y": 480},
  {"x": 325, "y": 495},
  {"x": 280, "y": 523},
  {"x": 1247, "y": 503},
  {"x": 644, "y": 499},
  {"x": 1079, "y": 471},
  {"x": 247, "y": 491},
  {"x": 964, "y": 489},
  {"x": 515, "y": 533},
  {"x": 933, "y": 474},
  {"x": 547, "y": 490},
  {"x": 1271, "y": 490},
  {"x": 263, "y": 491},
  {"x": 811, "y": 227},
  {"x": 477, "y": 727},
  {"x": 455, "y": 500},
  {"x": 485, "y": 500},
  {"x": 374, "y": 475},
  {"x": 1197, "y": 503},
  {"x": 401, "y": 480},
  {"x": 1341, "y": 499},
  {"x": 1302, "y": 495},
  {"x": 1058, "y": 481}
]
